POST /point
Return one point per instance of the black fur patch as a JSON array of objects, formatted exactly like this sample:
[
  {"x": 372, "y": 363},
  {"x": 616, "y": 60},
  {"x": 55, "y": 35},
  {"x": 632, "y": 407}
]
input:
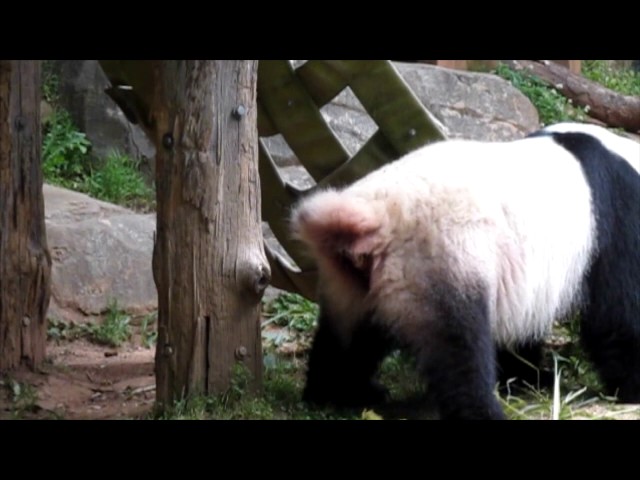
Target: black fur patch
[
  {"x": 456, "y": 354},
  {"x": 344, "y": 375}
]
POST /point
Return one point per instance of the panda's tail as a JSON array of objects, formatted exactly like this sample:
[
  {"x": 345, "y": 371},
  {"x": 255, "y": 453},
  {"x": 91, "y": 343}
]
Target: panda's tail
[{"x": 337, "y": 223}]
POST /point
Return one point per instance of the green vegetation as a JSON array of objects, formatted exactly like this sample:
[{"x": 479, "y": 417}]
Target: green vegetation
[
  {"x": 552, "y": 106},
  {"x": 292, "y": 311},
  {"x": 66, "y": 159},
  {"x": 280, "y": 399},
  {"x": 572, "y": 396},
  {"x": 64, "y": 152},
  {"x": 148, "y": 331},
  {"x": 398, "y": 373},
  {"x": 113, "y": 331},
  {"x": 119, "y": 181},
  {"x": 59, "y": 330},
  {"x": 577, "y": 392},
  {"x": 626, "y": 82},
  {"x": 290, "y": 320}
]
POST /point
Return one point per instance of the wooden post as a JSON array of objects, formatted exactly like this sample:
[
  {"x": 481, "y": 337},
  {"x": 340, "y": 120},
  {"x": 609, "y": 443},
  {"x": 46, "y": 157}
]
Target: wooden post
[
  {"x": 208, "y": 262},
  {"x": 454, "y": 64},
  {"x": 574, "y": 66},
  {"x": 25, "y": 264},
  {"x": 482, "y": 65}
]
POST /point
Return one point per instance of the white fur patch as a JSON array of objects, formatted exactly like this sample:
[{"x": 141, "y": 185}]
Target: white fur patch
[{"x": 514, "y": 217}]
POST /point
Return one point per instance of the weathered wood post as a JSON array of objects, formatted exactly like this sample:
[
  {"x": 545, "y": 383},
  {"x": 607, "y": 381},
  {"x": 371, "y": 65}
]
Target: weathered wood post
[
  {"x": 209, "y": 263},
  {"x": 25, "y": 264}
]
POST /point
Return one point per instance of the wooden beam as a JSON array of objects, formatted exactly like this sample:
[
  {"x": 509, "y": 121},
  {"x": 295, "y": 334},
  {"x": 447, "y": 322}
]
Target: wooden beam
[
  {"x": 574, "y": 66},
  {"x": 453, "y": 64}
]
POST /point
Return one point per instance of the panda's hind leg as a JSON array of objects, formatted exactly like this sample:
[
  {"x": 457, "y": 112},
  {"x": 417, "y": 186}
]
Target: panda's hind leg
[
  {"x": 610, "y": 327},
  {"x": 342, "y": 372},
  {"x": 615, "y": 353},
  {"x": 456, "y": 354}
]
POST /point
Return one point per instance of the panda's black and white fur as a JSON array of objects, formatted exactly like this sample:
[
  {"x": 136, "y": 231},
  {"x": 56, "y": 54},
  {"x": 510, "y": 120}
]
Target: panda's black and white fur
[{"x": 463, "y": 250}]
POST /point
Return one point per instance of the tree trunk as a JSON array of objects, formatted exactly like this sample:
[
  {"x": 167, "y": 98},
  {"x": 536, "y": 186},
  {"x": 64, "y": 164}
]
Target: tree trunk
[
  {"x": 612, "y": 108},
  {"x": 209, "y": 263},
  {"x": 25, "y": 264}
]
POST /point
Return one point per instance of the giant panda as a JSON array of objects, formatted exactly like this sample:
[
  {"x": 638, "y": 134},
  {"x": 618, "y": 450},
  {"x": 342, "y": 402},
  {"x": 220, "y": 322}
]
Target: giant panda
[{"x": 462, "y": 251}]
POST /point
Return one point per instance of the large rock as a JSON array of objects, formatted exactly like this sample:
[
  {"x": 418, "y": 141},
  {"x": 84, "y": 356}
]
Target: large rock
[
  {"x": 476, "y": 106},
  {"x": 82, "y": 86},
  {"x": 99, "y": 252}
]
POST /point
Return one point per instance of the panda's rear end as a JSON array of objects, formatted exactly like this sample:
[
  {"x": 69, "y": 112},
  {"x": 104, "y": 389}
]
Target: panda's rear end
[{"x": 462, "y": 248}]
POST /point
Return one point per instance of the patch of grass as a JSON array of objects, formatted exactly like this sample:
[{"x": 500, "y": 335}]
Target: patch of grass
[
  {"x": 280, "y": 399},
  {"x": 64, "y": 152},
  {"x": 114, "y": 329},
  {"x": 398, "y": 373},
  {"x": 293, "y": 311},
  {"x": 552, "y": 106},
  {"x": 119, "y": 181},
  {"x": 626, "y": 82},
  {"x": 60, "y": 330},
  {"x": 66, "y": 163},
  {"x": 284, "y": 381},
  {"x": 577, "y": 370},
  {"x": 577, "y": 391},
  {"x": 281, "y": 396},
  {"x": 234, "y": 404},
  {"x": 148, "y": 330},
  {"x": 564, "y": 402}
]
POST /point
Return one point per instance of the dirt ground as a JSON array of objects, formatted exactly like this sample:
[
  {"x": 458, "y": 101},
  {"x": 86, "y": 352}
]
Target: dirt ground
[
  {"x": 84, "y": 381},
  {"x": 81, "y": 380}
]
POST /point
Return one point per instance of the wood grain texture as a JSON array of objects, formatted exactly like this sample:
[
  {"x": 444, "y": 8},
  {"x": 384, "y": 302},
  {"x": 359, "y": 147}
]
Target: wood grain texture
[
  {"x": 25, "y": 263},
  {"x": 209, "y": 263}
]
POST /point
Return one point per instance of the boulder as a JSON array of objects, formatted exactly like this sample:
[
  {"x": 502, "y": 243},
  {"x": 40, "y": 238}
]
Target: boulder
[
  {"x": 99, "y": 252},
  {"x": 477, "y": 106},
  {"x": 81, "y": 89},
  {"x": 470, "y": 105}
]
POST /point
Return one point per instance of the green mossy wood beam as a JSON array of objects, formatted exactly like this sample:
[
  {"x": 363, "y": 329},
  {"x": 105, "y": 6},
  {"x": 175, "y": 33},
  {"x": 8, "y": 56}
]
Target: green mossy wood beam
[{"x": 289, "y": 102}]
